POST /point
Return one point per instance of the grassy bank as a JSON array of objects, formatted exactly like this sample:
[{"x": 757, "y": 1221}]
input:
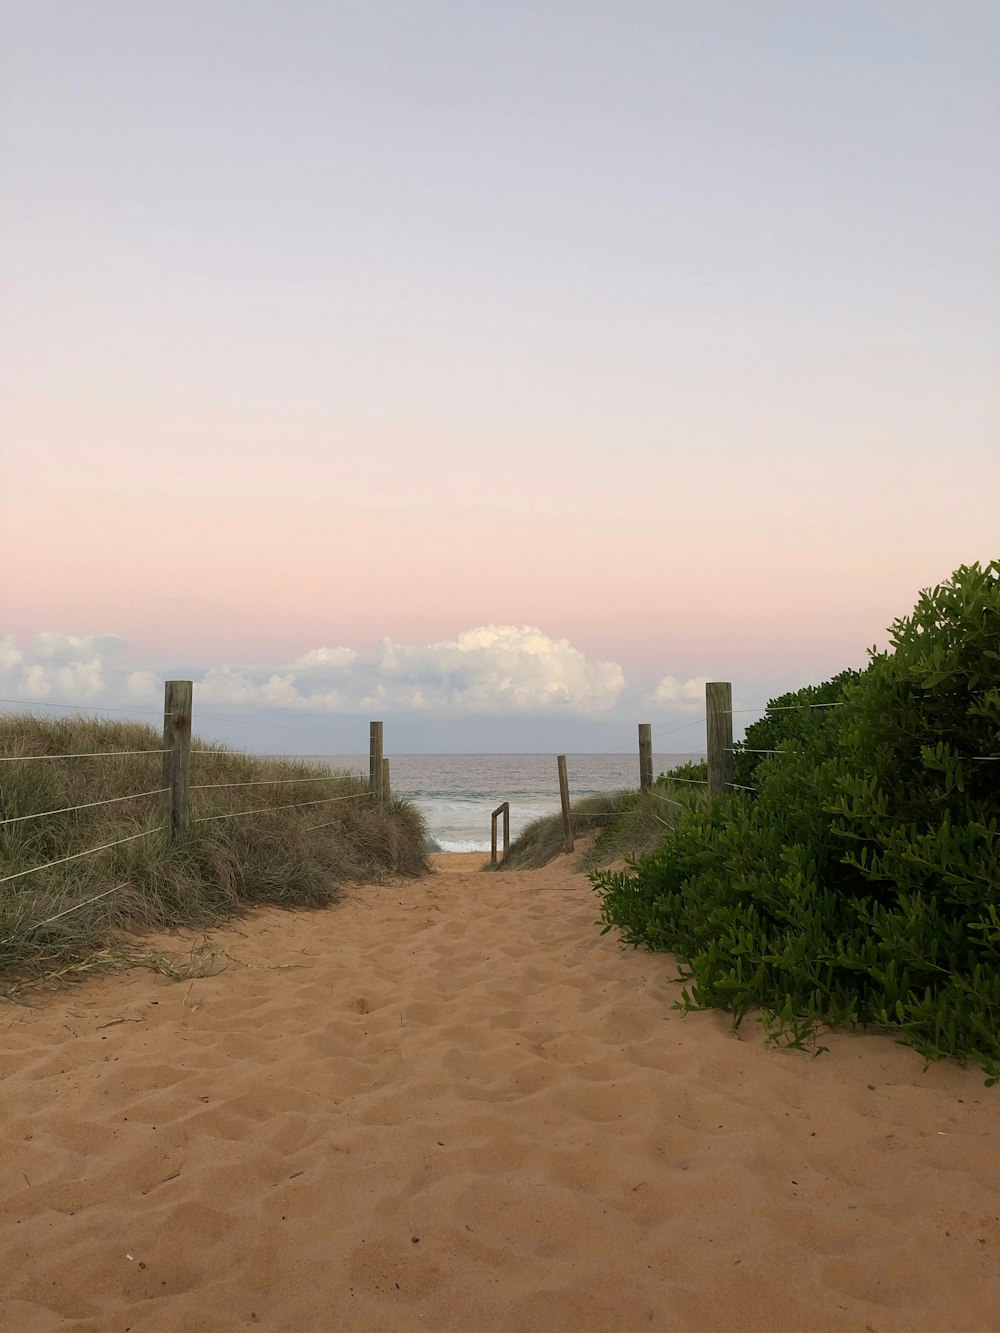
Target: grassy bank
[
  {"x": 628, "y": 823},
  {"x": 283, "y": 857}
]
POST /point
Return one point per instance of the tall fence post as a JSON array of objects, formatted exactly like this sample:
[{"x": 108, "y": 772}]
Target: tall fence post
[
  {"x": 386, "y": 781},
  {"x": 177, "y": 698},
  {"x": 564, "y": 799},
  {"x": 375, "y": 775},
  {"x": 645, "y": 756},
  {"x": 719, "y": 727}
]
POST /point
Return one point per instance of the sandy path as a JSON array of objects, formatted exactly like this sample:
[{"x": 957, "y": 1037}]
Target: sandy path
[{"x": 463, "y": 1108}]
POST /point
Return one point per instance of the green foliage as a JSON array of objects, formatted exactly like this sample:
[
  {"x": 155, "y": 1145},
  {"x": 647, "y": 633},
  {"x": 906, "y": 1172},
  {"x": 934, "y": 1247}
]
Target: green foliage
[
  {"x": 859, "y": 885},
  {"x": 790, "y": 718},
  {"x": 695, "y": 771}
]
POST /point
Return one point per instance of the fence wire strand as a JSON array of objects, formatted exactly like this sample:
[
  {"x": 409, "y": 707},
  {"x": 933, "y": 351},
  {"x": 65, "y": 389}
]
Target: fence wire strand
[
  {"x": 262, "y": 782},
  {"x": 673, "y": 730},
  {"x": 86, "y": 708},
  {"x": 264, "y": 809},
  {"x": 781, "y": 708},
  {"x": 76, "y": 855},
  {"x": 37, "y": 925},
  {"x": 88, "y": 754},
  {"x": 68, "y": 809}
]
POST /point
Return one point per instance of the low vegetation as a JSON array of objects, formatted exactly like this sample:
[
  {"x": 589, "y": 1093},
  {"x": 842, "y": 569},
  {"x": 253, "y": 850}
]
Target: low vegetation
[
  {"x": 282, "y": 857},
  {"x": 627, "y": 823},
  {"x": 858, "y": 883}
]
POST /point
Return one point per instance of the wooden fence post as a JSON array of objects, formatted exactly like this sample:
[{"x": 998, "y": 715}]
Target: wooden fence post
[
  {"x": 177, "y": 696},
  {"x": 645, "y": 756},
  {"x": 719, "y": 727},
  {"x": 386, "y": 781},
  {"x": 375, "y": 774},
  {"x": 564, "y": 799}
]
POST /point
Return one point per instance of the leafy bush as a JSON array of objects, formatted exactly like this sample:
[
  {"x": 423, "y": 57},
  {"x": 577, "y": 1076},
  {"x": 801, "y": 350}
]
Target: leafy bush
[
  {"x": 859, "y": 884},
  {"x": 694, "y": 771},
  {"x": 788, "y": 718}
]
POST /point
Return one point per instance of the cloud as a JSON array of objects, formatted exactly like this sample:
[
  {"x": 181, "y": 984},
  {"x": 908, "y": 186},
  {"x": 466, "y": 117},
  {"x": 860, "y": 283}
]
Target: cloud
[
  {"x": 66, "y": 649},
  {"x": 488, "y": 671},
  {"x": 10, "y": 655},
  {"x": 144, "y": 686},
  {"x": 324, "y": 657},
  {"x": 60, "y": 666},
  {"x": 77, "y": 681},
  {"x": 672, "y": 694}
]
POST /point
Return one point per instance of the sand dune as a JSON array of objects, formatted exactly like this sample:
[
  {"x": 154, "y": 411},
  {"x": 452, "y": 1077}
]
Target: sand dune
[{"x": 452, "y": 1104}]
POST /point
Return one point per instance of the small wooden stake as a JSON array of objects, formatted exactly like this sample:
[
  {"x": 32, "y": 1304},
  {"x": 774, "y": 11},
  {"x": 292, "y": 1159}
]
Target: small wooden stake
[
  {"x": 386, "y": 783},
  {"x": 375, "y": 774},
  {"x": 564, "y": 798},
  {"x": 177, "y": 697},
  {"x": 645, "y": 756},
  {"x": 719, "y": 728}
]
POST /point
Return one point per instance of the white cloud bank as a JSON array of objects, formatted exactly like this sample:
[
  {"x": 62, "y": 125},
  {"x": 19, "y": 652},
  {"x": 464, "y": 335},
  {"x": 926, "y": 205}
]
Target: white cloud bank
[
  {"x": 490, "y": 671},
  {"x": 673, "y": 694},
  {"x": 69, "y": 668}
]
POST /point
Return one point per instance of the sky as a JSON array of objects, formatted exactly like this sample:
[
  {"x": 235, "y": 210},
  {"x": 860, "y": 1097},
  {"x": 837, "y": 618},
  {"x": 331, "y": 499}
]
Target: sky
[{"x": 505, "y": 370}]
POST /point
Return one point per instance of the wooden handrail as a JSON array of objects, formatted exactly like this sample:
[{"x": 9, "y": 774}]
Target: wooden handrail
[{"x": 502, "y": 809}]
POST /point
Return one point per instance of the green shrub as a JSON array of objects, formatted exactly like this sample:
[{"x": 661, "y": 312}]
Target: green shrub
[
  {"x": 694, "y": 771},
  {"x": 859, "y": 884},
  {"x": 789, "y": 718}
]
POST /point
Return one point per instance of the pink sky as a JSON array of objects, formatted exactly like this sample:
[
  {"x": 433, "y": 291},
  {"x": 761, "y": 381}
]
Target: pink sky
[{"x": 386, "y": 328}]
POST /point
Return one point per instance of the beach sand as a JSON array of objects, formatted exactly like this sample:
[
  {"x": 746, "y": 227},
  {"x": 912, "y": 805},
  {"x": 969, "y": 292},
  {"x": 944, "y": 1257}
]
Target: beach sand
[{"x": 453, "y": 1104}]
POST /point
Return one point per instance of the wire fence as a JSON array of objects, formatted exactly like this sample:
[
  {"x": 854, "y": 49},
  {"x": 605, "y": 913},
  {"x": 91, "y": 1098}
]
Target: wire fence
[
  {"x": 176, "y": 785},
  {"x": 177, "y": 754}
]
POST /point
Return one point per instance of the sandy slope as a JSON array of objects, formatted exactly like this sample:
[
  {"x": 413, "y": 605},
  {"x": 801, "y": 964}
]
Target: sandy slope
[{"x": 452, "y": 1104}]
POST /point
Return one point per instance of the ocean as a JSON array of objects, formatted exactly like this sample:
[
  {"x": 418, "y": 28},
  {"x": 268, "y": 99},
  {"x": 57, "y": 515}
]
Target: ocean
[{"x": 458, "y": 792}]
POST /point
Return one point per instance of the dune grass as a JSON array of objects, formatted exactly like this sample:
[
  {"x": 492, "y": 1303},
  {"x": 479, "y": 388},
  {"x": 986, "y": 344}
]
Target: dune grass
[
  {"x": 281, "y": 857},
  {"x": 628, "y": 823}
]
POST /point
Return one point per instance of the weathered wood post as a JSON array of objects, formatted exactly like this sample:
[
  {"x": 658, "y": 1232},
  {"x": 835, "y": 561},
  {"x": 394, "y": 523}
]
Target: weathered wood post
[
  {"x": 719, "y": 728},
  {"x": 386, "y": 782},
  {"x": 502, "y": 809},
  {"x": 645, "y": 756},
  {"x": 375, "y": 774},
  {"x": 564, "y": 799},
  {"x": 177, "y": 695}
]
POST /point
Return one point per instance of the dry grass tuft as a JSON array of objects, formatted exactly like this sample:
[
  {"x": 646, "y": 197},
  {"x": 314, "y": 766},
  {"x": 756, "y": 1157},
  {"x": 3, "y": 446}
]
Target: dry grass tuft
[
  {"x": 50, "y": 928},
  {"x": 627, "y": 823}
]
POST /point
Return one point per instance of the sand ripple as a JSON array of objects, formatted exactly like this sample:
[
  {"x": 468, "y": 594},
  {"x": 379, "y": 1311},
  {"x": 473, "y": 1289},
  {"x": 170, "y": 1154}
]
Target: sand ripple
[{"x": 454, "y": 1105}]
